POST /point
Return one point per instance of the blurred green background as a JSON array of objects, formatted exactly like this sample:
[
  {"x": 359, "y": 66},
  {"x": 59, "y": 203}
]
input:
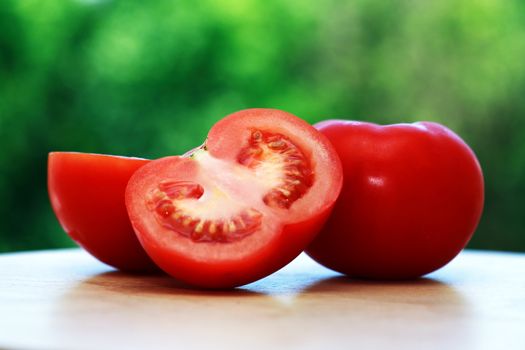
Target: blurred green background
[{"x": 148, "y": 79}]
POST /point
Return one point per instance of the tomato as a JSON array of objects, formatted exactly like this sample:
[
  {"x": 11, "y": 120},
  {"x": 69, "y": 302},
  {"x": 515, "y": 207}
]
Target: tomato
[
  {"x": 411, "y": 200},
  {"x": 87, "y": 196},
  {"x": 242, "y": 205}
]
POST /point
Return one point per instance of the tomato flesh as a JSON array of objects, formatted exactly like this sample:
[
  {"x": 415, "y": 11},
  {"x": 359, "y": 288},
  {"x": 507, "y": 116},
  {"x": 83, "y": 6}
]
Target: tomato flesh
[
  {"x": 87, "y": 196},
  {"x": 242, "y": 205},
  {"x": 266, "y": 152},
  {"x": 170, "y": 202}
]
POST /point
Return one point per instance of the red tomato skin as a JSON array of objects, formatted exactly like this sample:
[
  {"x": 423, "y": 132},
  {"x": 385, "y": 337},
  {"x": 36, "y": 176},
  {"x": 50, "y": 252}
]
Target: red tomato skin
[
  {"x": 87, "y": 196},
  {"x": 412, "y": 197}
]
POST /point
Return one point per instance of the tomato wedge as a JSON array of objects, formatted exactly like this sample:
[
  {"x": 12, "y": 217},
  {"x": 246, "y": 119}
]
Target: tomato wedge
[
  {"x": 87, "y": 195},
  {"x": 242, "y": 205}
]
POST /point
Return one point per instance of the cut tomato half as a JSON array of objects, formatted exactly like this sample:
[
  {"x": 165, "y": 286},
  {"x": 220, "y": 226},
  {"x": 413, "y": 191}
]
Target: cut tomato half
[{"x": 242, "y": 205}]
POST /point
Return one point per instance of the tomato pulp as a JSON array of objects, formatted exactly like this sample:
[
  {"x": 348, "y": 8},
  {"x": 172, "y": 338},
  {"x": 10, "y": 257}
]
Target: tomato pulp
[
  {"x": 411, "y": 200},
  {"x": 242, "y": 205},
  {"x": 87, "y": 196}
]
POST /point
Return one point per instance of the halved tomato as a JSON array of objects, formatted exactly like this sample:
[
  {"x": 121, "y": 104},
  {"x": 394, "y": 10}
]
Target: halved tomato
[
  {"x": 242, "y": 205},
  {"x": 87, "y": 195}
]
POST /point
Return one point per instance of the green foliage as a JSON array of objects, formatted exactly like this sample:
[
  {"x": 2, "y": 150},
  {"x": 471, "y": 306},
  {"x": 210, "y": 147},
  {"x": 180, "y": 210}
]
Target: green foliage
[{"x": 149, "y": 78}]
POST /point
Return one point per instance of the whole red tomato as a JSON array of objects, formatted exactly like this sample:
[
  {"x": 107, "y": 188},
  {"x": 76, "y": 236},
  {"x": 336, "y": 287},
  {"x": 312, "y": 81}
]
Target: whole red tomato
[
  {"x": 87, "y": 196},
  {"x": 241, "y": 206},
  {"x": 411, "y": 200}
]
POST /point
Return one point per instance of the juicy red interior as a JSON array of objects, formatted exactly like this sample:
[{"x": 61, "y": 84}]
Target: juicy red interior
[
  {"x": 298, "y": 173},
  {"x": 264, "y": 154}
]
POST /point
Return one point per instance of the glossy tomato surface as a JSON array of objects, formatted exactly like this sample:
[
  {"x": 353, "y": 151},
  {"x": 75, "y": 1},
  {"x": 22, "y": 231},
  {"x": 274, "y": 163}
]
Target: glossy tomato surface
[
  {"x": 242, "y": 205},
  {"x": 411, "y": 200},
  {"x": 87, "y": 196}
]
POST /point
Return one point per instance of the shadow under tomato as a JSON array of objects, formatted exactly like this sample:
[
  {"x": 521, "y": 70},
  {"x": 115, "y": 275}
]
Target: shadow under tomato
[
  {"x": 152, "y": 284},
  {"x": 424, "y": 290},
  {"x": 158, "y": 311},
  {"x": 344, "y": 283}
]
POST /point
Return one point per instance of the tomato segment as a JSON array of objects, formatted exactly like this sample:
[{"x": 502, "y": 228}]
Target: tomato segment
[
  {"x": 87, "y": 195},
  {"x": 242, "y": 205}
]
